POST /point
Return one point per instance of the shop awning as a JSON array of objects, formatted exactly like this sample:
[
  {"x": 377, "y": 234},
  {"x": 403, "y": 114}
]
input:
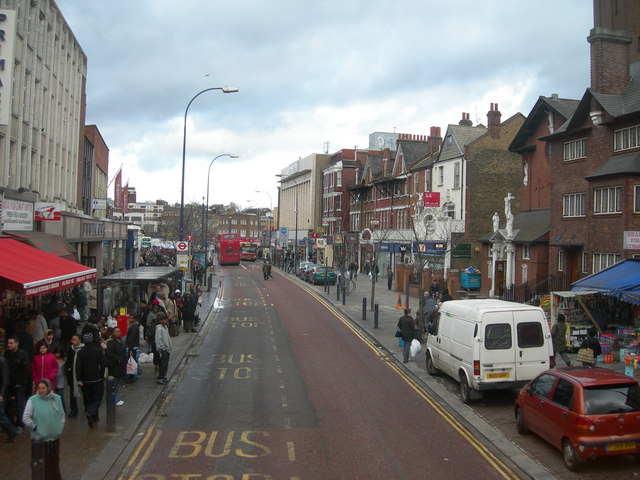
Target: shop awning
[
  {"x": 621, "y": 280},
  {"x": 33, "y": 272},
  {"x": 47, "y": 242}
]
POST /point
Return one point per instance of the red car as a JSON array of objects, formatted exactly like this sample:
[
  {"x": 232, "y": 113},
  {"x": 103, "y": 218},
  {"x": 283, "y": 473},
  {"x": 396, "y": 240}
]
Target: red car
[{"x": 585, "y": 412}]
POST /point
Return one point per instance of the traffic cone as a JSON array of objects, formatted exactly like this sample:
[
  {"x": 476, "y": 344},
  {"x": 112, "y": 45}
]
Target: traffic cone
[{"x": 399, "y": 303}]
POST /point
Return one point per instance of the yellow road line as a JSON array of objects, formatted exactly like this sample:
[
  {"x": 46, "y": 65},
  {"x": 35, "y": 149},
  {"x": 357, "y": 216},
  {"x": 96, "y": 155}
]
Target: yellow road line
[{"x": 495, "y": 462}]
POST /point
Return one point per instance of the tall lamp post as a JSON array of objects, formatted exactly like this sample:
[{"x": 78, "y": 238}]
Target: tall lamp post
[
  {"x": 184, "y": 148},
  {"x": 295, "y": 248},
  {"x": 270, "y": 219},
  {"x": 206, "y": 222}
]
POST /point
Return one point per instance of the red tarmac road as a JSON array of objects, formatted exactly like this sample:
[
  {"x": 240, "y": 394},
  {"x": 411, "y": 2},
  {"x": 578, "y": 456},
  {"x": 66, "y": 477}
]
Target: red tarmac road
[{"x": 282, "y": 387}]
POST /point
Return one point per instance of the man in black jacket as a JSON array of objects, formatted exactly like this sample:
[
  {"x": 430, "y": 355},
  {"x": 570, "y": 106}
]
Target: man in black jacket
[
  {"x": 90, "y": 375},
  {"x": 8, "y": 427},
  {"x": 19, "y": 388},
  {"x": 407, "y": 327}
]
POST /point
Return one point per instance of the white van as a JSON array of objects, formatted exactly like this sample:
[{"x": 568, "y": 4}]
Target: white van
[{"x": 489, "y": 344}]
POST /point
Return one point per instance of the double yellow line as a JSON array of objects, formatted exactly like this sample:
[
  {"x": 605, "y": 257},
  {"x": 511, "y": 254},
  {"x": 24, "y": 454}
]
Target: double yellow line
[{"x": 494, "y": 461}]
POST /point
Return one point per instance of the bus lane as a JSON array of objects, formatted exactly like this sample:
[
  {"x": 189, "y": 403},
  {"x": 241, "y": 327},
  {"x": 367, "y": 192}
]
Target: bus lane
[{"x": 280, "y": 387}]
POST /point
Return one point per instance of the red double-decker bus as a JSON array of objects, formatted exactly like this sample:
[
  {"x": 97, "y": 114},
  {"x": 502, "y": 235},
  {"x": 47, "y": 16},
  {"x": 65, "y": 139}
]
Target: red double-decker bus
[
  {"x": 229, "y": 249},
  {"x": 249, "y": 249}
]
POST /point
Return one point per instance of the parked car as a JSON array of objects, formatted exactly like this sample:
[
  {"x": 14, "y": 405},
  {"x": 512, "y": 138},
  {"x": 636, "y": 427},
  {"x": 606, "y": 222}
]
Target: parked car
[
  {"x": 488, "y": 344},
  {"x": 305, "y": 271},
  {"x": 318, "y": 274},
  {"x": 586, "y": 412},
  {"x": 301, "y": 270}
]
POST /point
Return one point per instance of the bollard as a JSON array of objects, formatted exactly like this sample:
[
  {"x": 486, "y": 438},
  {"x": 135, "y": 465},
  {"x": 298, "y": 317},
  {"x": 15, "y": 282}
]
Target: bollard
[
  {"x": 338, "y": 283},
  {"x": 209, "y": 282},
  {"x": 364, "y": 308},
  {"x": 344, "y": 293},
  {"x": 375, "y": 316},
  {"x": 111, "y": 404}
]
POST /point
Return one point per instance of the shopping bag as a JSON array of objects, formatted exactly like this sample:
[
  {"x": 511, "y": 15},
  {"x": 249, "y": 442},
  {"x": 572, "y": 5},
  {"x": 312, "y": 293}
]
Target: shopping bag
[
  {"x": 132, "y": 366},
  {"x": 415, "y": 347},
  {"x": 585, "y": 355},
  {"x": 398, "y": 333},
  {"x": 145, "y": 358}
]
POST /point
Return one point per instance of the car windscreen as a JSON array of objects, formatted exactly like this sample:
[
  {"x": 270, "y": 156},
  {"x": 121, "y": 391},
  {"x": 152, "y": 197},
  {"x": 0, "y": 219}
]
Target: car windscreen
[{"x": 608, "y": 399}]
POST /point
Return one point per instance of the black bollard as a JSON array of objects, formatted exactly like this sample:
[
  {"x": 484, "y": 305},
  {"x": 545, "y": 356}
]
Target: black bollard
[
  {"x": 209, "y": 281},
  {"x": 111, "y": 404},
  {"x": 344, "y": 292},
  {"x": 375, "y": 316},
  {"x": 338, "y": 283},
  {"x": 364, "y": 308}
]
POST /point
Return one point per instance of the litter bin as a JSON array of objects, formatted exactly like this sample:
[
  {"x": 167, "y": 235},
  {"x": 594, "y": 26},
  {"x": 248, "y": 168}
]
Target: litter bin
[{"x": 470, "y": 281}]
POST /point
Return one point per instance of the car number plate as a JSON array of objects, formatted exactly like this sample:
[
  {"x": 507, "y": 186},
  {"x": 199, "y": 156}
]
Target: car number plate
[
  {"x": 498, "y": 375},
  {"x": 614, "y": 447}
]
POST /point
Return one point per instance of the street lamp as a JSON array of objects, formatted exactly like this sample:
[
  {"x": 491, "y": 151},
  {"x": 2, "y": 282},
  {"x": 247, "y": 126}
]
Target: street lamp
[
  {"x": 206, "y": 222},
  {"x": 184, "y": 148},
  {"x": 295, "y": 248},
  {"x": 270, "y": 218}
]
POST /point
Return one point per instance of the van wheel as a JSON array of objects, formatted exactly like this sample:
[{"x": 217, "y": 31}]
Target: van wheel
[
  {"x": 465, "y": 389},
  {"x": 520, "y": 425},
  {"x": 431, "y": 368},
  {"x": 571, "y": 459}
]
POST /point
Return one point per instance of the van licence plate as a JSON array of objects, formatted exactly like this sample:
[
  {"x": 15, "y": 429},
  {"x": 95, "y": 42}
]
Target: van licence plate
[
  {"x": 615, "y": 447},
  {"x": 498, "y": 375}
]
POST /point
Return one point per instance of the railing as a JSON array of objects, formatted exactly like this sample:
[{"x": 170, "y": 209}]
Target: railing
[{"x": 526, "y": 292}]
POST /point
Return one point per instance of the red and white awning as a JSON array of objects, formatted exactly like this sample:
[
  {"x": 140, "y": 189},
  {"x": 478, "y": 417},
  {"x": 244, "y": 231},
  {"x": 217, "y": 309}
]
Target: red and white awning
[{"x": 34, "y": 272}]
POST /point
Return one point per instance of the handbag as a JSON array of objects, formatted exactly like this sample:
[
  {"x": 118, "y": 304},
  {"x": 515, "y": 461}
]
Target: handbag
[
  {"x": 585, "y": 355},
  {"x": 398, "y": 333}
]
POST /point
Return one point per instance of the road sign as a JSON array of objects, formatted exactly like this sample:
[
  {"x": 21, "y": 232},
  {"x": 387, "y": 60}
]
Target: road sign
[
  {"x": 284, "y": 230},
  {"x": 182, "y": 247}
]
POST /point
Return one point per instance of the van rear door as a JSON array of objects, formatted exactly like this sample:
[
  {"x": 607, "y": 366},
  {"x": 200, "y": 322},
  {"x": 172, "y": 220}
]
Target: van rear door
[
  {"x": 497, "y": 352},
  {"x": 532, "y": 344}
]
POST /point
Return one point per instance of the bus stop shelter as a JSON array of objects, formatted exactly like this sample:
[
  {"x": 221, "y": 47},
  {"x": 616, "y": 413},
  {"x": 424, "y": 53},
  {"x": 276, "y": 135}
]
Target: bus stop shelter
[{"x": 130, "y": 288}]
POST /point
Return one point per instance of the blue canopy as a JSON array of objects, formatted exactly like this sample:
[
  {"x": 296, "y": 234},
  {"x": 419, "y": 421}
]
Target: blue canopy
[{"x": 621, "y": 280}]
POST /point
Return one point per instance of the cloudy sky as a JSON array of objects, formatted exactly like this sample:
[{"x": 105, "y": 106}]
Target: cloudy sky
[{"x": 308, "y": 72}]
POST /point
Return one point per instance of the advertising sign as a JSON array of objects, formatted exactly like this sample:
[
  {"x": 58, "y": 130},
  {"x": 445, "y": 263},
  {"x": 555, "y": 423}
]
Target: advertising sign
[
  {"x": 7, "y": 40},
  {"x": 631, "y": 240},
  {"x": 431, "y": 199},
  {"x": 99, "y": 203},
  {"x": 47, "y": 211},
  {"x": 435, "y": 249},
  {"x": 17, "y": 215}
]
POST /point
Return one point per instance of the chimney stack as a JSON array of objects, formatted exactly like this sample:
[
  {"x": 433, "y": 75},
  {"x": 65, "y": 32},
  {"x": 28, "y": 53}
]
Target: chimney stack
[
  {"x": 493, "y": 119},
  {"x": 465, "y": 120},
  {"x": 434, "y": 140}
]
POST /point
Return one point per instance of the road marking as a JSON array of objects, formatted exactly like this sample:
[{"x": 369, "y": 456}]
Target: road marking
[
  {"x": 291, "y": 450},
  {"x": 494, "y": 461}
]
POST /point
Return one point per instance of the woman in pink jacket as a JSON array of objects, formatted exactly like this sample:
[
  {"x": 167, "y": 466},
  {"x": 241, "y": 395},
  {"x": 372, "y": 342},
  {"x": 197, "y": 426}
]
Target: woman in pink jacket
[{"x": 44, "y": 364}]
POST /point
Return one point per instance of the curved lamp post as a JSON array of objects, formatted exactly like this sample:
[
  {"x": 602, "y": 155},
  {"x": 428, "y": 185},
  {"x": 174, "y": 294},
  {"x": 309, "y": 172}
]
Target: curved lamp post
[
  {"x": 270, "y": 219},
  {"x": 206, "y": 222},
  {"x": 184, "y": 148}
]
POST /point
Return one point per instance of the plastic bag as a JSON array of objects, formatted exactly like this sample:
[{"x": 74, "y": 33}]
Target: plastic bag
[
  {"x": 415, "y": 347},
  {"x": 145, "y": 358},
  {"x": 132, "y": 366}
]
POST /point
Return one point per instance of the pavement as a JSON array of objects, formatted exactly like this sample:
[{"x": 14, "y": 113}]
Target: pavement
[{"x": 88, "y": 454}]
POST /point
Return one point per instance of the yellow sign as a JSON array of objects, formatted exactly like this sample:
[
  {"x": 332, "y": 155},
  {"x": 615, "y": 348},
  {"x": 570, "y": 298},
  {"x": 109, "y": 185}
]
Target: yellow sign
[{"x": 320, "y": 229}]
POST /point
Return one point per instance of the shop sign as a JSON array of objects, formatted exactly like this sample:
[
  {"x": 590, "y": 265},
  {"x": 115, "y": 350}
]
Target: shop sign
[
  {"x": 17, "y": 215},
  {"x": 631, "y": 240},
  {"x": 99, "y": 203},
  {"x": 7, "y": 39},
  {"x": 462, "y": 250},
  {"x": 435, "y": 249},
  {"x": 48, "y": 211},
  {"x": 92, "y": 230}
]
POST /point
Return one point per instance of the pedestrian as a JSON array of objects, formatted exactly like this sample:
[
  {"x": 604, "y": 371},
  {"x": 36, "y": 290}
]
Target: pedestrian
[
  {"x": 44, "y": 364},
  {"x": 70, "y": 371},
  {"x": 376, "y": 271},
  {"x": 172, "y": 315},
  {"x": 68, "y": 328},
  {"x": 389, "y": 278},
  {"x": 445, "y": 297},
  {"x": 90, "y": 375},
  {"x": 188, "y": 312},
  {"x": 593, "y": 343},
  {"x": 6, "y": 424},
  {"x": 559, "y": 339},
  {"x": 44, "y": 416},
  {"x": 265, "y": 274},
  {"x": 22, "y": 333},
  {"x": 434, "y": 288},
  {"x": 58, "y": 386},
  {"x": 39, "y": 327},
  {"x": 163, "y": 347},
  {"x": 132, "y": 344},
  {"x": 116, "y": 363},
  {"x": 428, "y": 305},
  {"x": 20, "y": 386},
  {"x": 269, "y": 271},
  {"x": 406, "y": 326}
]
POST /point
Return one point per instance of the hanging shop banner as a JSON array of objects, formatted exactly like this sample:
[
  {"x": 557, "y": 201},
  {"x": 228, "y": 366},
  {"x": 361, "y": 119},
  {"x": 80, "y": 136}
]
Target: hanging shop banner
[
  {"x": 48, "y": 211},
  {"x": 17, "y": 215}
]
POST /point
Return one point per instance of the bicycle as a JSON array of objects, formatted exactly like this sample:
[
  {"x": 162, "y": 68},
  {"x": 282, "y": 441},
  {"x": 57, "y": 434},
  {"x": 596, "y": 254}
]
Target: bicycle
[{"x": 350, "y": 287}]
